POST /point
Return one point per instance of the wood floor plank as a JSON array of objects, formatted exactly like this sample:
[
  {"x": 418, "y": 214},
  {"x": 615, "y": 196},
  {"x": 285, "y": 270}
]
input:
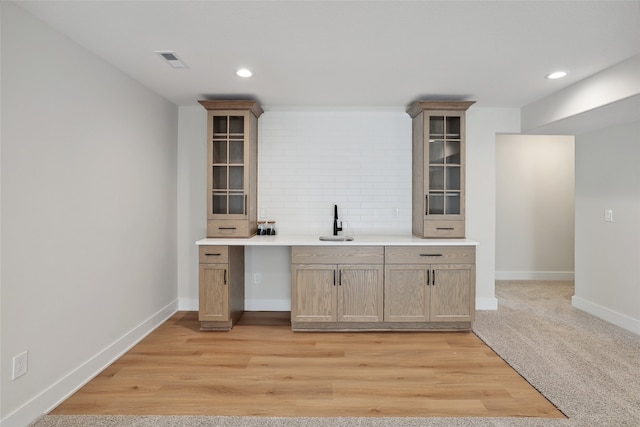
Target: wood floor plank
[{"x": 266, "y": 369}]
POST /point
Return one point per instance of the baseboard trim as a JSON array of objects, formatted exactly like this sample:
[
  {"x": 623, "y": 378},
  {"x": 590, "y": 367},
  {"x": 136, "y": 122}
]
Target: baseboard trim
[
  {"x": 535, "y": 275},
  {"x": 486, "y": 303},
  {"x": 256, "y": 304},
  {"x": 56, "y": 393},
  {"x": 606, "y": 314}
]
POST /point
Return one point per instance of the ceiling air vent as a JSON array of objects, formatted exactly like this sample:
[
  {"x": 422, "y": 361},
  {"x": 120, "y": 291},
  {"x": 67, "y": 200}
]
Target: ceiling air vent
[{"x": 172, "y": 59}]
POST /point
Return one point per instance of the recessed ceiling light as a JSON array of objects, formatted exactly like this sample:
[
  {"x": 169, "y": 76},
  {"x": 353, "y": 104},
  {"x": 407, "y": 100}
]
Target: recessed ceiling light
[
  {"x": 171, "y": 58},
  {"x": 244, "y": 72},
  {"x": 557, "y": 75}
]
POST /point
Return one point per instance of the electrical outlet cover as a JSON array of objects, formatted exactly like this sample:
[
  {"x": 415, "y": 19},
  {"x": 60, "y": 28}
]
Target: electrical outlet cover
[
  {"x": 20, "y": 365},
  {"x": 608, "y": 215}
]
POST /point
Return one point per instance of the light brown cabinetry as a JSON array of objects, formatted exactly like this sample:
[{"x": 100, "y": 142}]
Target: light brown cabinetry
[
  {"x": 430, "y": 284},
  {"x": 232, "y": 159},
  {"x": 438, "y": 201},
  {"x": 221, "y": 294},
  {"x": 336, "y": 287},
  {"x": 382, "y": 288}
]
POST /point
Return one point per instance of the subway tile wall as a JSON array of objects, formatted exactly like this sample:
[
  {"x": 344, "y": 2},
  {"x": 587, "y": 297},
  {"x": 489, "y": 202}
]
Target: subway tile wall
[{"x": 310, "y": 160}]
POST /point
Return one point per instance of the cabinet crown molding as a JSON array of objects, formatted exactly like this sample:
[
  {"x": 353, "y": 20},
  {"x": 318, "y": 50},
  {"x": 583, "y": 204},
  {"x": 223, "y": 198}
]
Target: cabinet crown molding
[
  {"x": 419, "y": 106},
  {"x": 231, "y": 104}
]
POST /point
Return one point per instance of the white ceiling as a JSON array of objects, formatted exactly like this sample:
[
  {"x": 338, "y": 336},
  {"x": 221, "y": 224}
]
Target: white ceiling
[{"x": 353, "y": 53}]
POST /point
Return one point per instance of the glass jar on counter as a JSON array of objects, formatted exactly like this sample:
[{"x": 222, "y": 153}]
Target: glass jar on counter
[
  {"x": 262, "y": 228},
  {"x": 271, "y": 228}
]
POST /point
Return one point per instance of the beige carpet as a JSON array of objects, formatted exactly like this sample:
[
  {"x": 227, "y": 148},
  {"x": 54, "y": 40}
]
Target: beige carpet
[{"x": 588, "y": 368}]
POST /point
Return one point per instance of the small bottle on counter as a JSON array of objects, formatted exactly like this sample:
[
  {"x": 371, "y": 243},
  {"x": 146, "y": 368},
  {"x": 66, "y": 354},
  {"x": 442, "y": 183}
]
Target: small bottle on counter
[
  {"x": 262, "y": 228},
  {"x": 271, "y": 228}
]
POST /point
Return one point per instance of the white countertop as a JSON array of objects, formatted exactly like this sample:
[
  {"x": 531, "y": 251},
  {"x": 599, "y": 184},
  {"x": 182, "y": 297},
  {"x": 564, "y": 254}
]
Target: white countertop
[{"x": 314, "y": 240}]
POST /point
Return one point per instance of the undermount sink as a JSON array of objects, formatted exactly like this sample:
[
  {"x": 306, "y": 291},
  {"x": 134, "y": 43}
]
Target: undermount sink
[{"x": 337, "y": 238}]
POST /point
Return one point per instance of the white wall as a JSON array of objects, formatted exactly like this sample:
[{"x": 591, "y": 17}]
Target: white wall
[
  {"x": 604, "y": 112},
  {"x": 309, "y": 160},
  {"x": 534, "y": 207},
  {"x": 88, "y": 220},
  {"x": 192, "y": 200},
  {"x": 608, "y": 253},
  {"x": 483, "y": 124}
]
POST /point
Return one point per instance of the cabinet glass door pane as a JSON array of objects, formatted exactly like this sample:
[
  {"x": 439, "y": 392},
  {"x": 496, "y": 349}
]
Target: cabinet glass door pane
[
  {"x": 453, "y": 152},
  {"x": 436, "y": 177},
  {"x": 453, "y": 127},
  {"x": 453, "y": 178},
  {"x": 436, "y": 204},
  {"x": 436, "y": 152},
  {"x": 436, "y": 125},
  {"x": 219, "y": 151},
  {"x": 219, "y": 203},
  {"x": 452, "y": 204},
  {"x": 236, "y": 203},
  {"x": 220, "y": 177},
  {"x": 236, "y": 151},
  {"x": 220, "y": 124},
  {"x": 236, "y": 124},
  {"x": 236, "y": 177}
]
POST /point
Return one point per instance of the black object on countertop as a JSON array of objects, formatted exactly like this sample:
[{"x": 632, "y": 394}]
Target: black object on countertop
[{"x": 335, "y": 221}]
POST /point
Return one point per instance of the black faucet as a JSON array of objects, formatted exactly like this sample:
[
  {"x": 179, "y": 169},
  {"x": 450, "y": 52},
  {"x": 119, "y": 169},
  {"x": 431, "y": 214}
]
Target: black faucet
[{"x": 335, "y": 221}]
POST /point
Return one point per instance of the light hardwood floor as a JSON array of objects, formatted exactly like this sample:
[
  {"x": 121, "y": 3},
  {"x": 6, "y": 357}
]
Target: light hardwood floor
[{"x": 262, "y": 368}]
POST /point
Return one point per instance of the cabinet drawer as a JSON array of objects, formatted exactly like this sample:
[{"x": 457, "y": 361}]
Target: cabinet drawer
[
  {"x": 337, "y": 255},
  {"x": 228, "y": 228},
  {"x": 214, "y": 254},
  {"x": 430, "y": 254},
  {"x": 444, "y": 229}
]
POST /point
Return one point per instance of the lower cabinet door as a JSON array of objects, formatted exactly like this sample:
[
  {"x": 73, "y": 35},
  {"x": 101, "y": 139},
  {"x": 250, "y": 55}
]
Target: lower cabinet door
[
  {"x": 313, "y": 293},
  {"x": 453, "y": 293},
  {"x": 360, "y": 293},
  {"x": 406, "y": 293},
  {"x": 214, "y": 292}
]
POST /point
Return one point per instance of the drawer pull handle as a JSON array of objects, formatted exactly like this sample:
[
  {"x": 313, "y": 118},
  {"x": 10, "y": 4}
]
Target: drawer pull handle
[
  {"x": 445, "y": 228},
  {"x": 430, "y": 254},
  {"x": 226, "y": 228},
  {"x": 212, "y": 254}
]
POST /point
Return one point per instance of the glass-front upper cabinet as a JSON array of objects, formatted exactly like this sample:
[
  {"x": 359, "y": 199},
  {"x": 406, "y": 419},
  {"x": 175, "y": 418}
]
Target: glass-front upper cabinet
[
  {"x": 438, "y": 168},
  {"x": 228, "y": 166},
  {"x": 445, "y": 172},
  {"x": 232, "y": 141}
]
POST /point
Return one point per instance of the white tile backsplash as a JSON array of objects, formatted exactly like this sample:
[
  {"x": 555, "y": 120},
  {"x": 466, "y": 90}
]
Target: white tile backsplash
[{"x": 310, "y": 160}]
